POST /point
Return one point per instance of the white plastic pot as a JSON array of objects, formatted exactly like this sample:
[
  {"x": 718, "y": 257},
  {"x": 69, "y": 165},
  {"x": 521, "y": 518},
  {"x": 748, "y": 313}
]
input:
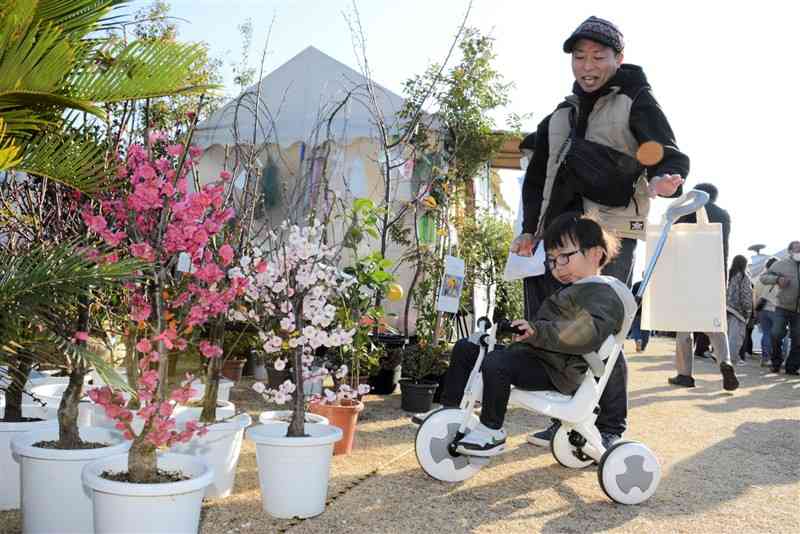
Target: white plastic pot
[
  {"x": 52, "y": 393},
  {"x": 223, "y": 392},
  {"x": 182, "y": 414},
  {"x": 293, "y": 472},
  {"x": 53, "y": 496},
  {"x": 9, "y": 468},
  {"x": 126, "y": 508},
  {"x": 284, "y": 416},
  {"x": 219, "y": 448}
]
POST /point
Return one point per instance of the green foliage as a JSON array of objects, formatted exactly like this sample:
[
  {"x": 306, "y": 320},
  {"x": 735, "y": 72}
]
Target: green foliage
[
  {"x": 39, "y": 293},
  {"x": 463, "y": 99},
  {"x": 356, "y": 306},
  {"x": 484, "y": 246},
  {"x": 53, "y": 59},
  {"x": 423, "y": 359}
]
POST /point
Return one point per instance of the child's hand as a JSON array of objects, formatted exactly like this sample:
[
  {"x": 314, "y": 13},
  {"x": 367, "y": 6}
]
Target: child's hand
[{"x": 526, "y": 329}]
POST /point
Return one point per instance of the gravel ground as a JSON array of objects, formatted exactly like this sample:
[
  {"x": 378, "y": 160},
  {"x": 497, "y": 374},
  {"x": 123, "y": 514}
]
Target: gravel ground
[{"x": 731, "y": 463}]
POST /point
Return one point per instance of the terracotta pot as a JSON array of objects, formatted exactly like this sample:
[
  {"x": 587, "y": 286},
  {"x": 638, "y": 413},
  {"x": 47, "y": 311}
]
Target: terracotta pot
[
  {"x": 343, "y": 416},
  {"x": 232, "y": 369}
]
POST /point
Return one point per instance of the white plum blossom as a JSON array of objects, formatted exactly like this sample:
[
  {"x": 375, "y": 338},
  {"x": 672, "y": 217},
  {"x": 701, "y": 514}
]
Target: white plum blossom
[
  {"x": 259, "y": 388},
  {"x": 287, "y": 324},
  {"x": 363, "y": 389},
  {"x": 341, "y": 372},
  {"x": 292, "y": 282}
]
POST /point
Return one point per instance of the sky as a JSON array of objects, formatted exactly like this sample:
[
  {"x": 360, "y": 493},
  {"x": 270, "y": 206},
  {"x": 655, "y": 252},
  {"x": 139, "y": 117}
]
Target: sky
[{"x": 723, "y": 72}]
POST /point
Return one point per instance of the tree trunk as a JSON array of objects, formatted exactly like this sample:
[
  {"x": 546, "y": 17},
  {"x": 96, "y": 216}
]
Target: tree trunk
[
  {"x": 297, "y": 426},
  {"x": 18, "y": 369},
  {"x": 209, "y": 413},
  {"x": 131, "y": 365},
  {"x": 68, "y": 435},
  {"x": 142, "y": 460}
]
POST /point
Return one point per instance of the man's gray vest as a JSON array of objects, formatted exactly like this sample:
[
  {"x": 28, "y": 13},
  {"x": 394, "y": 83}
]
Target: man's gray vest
[{"x": 609, "y": 125}]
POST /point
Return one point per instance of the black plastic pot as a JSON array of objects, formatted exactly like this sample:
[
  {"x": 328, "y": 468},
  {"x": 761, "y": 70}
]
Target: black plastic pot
[
  {"x": 384, "y": 381},
  {"x": 417, "y": 396},
  {"x": 276, "y": 378},
  {"x": 438, "y": 379}
]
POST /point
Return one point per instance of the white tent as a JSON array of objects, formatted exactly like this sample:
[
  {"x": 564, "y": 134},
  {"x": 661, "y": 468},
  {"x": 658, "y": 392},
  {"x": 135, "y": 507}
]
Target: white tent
[{"x": 295, "y": 98}]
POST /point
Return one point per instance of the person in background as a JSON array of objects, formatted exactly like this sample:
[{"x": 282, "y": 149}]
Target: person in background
[
  {"x": 641, "y": 337},
  {"x": 740, "y": 304},
  {"x": 766, "y": 298},
  {"x": 684, "y": 362},
  {"x": 786, "y": 275},
  {"x": 611, "y": 104}
]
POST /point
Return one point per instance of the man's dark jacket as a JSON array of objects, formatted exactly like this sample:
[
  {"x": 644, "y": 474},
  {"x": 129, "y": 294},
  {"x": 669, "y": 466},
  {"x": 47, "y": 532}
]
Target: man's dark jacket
[{"x": 647, "y": 122}]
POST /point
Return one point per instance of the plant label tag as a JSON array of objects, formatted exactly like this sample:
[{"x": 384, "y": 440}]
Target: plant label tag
[
  {"x": 185, "y": 263},
  {"x": 451, "y": 286}
]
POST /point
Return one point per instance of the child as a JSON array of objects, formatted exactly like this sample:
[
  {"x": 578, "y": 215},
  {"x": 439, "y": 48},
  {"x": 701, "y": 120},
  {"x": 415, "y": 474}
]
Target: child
[{"x": 548, "y": 356}]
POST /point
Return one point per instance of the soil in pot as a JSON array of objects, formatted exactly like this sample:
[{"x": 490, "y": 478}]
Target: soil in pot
[
  {"x": 417, "y": 397},
  {"x": 76, "y": 446},
  {"x": 162, "y": 477},
  {"x": 344, "y": 416}
]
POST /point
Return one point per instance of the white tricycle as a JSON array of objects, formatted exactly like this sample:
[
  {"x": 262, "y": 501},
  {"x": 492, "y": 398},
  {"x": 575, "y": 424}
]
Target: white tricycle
[{"x": 628, "y": 471}]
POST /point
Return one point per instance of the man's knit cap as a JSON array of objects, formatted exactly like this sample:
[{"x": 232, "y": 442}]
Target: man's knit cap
[{"x": 597, "y": 30}]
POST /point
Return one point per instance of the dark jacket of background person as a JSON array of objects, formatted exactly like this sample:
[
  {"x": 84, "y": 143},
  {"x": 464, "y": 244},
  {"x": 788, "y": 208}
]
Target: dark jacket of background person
[
  {"x": 715, "y": 215},
  {"x": 627, "y": 89},
  {"x": 572, "y": 322},
  {"x": 788, "y": 297}
]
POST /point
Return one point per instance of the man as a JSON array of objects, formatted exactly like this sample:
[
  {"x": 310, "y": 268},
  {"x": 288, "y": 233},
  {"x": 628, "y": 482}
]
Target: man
[
  {"x": 611, "y": 105},
  {"x": 717, "y": 215},
  {"x": 785, "y": 274},
  {"x": 718, "y": 340}
]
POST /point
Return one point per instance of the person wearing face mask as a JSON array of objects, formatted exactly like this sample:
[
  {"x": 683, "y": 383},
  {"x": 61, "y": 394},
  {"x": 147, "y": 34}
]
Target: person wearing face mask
[
  {"x": 785, "y": 274},
  {"x": 611, "y": 105}
]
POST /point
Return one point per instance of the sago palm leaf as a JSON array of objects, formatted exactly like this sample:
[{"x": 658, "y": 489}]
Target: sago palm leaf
[
  {"x": 9, "y": 152},
  {"x": 70, "y": 158},
  {"x": 47, "y": 275},
  {"x": 77, "y": 17},
  {"x": 138, "y": 70}
]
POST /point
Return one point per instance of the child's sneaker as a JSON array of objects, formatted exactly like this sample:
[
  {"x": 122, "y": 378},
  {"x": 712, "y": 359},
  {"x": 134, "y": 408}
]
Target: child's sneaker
[{"x": 483, "y": 441}]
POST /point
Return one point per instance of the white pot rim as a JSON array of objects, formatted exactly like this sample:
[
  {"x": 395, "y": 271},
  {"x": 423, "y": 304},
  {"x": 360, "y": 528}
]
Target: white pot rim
[
  {"x": 266, "y": 417},
  {"x": 27, "y": 426},
  {"x": 91, "y": 477},
  {"x": 239, "y": 422},
  {"x": 275, "y": 434},
  {"x": 22, "y": 445}
]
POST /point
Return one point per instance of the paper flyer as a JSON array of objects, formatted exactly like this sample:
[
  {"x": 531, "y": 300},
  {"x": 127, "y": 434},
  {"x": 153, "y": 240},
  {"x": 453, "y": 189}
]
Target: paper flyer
[{"x": 451, "y": 285}]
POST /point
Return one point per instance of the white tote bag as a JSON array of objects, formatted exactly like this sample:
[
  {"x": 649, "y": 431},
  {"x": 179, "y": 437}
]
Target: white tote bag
[{"x": 687, "y": 290}]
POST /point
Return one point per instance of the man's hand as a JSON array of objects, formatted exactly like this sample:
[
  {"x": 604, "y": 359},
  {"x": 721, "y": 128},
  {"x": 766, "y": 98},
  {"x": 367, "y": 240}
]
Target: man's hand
[
  {"x": 527, "y": 330},
  {"x": 782, "y": 282},
  {"x": 523, "y": 245},
  {"x": 665, "y": 185}
]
